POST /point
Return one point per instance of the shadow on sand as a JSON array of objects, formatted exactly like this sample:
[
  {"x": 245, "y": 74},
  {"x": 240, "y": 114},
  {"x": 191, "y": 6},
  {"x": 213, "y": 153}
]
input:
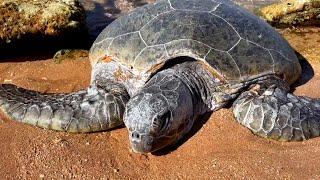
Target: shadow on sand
[
  {"x": 307, "y": 72},
  {"x": 198, "y": 124}
]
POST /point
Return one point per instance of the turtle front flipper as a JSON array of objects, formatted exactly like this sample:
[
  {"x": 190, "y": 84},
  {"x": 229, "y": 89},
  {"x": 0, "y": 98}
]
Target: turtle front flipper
[
  {"x": 278, "y": 115},
  {"x": 95, "y": 109}
]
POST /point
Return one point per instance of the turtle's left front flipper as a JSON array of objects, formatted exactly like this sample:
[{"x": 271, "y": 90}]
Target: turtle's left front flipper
[
  {"x": 94, "y": 109},
  {"x": 278, "y": 115}
]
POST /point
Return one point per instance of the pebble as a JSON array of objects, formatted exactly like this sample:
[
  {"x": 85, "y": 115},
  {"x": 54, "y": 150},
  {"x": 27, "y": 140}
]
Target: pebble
[{"x": 116, "y": 170}]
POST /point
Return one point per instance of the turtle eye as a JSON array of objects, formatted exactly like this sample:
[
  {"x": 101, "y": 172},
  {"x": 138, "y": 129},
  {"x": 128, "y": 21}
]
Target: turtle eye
[{"x": 159, "y": 123}]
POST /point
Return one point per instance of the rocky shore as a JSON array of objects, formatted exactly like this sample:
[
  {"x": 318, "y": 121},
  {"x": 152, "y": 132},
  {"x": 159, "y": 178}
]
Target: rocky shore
[{"x": 37, "y": 21}]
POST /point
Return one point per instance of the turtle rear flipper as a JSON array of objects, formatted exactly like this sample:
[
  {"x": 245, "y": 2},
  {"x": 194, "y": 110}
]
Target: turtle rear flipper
[
  {"x": 89, "y": 110},
  {"x": 278, "y": 115}
]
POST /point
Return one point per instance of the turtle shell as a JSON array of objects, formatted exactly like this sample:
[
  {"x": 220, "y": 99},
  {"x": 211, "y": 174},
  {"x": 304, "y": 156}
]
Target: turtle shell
[{"x": 235, "y": 44}]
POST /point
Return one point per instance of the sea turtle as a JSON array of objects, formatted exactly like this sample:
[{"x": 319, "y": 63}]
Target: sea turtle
[{"x": 163, "y": 65}]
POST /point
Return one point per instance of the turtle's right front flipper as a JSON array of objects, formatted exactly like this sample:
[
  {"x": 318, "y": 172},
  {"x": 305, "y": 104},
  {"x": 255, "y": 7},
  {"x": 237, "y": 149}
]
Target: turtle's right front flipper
[
  {"x": 95, "y": 109},
  {"x": 278, "y": 115}
]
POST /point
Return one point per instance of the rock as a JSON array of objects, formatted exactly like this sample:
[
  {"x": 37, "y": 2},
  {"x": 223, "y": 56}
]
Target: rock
[
  {"x": 64, "y": 54},
  {"x": 38, "y": 20},
  {"x": 252, "y": 5},
  {"x": 292, "y": 13}
]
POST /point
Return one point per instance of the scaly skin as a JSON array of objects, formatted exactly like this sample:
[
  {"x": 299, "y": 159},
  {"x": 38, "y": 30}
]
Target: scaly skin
[
  {"x": 164, "y": 110},
  {"x": 98, "y": 108},
  {"x": 278, "y": 115},
  {"x": 85, "y": 111}
]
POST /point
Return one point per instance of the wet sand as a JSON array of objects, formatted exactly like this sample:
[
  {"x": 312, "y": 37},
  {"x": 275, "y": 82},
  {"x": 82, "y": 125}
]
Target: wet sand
[{"x": 217, "y": 148}]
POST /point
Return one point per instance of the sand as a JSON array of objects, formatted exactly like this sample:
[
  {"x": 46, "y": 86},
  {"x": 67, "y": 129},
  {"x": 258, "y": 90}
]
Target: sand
[{"x": 218, "y": 147}]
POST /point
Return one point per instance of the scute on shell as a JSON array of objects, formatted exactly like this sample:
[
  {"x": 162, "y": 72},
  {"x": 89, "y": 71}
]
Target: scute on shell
[{"x": 235, "y": 43}]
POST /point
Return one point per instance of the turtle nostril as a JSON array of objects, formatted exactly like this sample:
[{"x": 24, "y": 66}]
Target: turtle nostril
[{"x": 135, "y": 136}]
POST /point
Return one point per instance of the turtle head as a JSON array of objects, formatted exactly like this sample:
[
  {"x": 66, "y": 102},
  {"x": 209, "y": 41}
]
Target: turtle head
[{"x": 157, "y": 118}]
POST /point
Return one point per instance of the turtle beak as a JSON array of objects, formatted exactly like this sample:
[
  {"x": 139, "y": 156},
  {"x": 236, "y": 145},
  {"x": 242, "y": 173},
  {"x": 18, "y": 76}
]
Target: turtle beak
[
  {"x": 140, "y": 143},
  {"x": 144, "y": 143}
]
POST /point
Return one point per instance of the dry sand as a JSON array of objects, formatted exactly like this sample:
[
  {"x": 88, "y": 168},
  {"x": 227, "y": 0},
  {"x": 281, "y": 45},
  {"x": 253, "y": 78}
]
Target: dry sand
[{"x": 217, "y": 148}]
